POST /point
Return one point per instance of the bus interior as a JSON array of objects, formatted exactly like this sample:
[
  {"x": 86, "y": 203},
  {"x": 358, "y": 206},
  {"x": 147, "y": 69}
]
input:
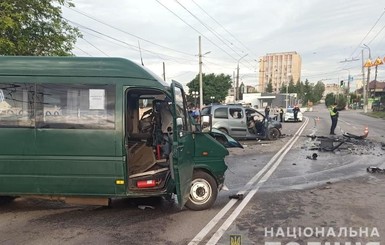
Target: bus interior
[{"x": 148, "y": 139}]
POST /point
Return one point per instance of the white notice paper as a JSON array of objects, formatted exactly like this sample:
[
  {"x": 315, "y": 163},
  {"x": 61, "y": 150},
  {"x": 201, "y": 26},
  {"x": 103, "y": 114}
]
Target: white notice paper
[{"x": 97, "y": 97}]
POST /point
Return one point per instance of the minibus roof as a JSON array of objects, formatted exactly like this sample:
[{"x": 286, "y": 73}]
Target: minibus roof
[{"x": 68, "y": 66}]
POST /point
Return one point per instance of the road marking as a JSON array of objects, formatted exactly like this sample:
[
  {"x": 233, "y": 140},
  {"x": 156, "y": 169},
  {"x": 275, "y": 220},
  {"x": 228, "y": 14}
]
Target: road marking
[{"x": 200, "y": 236}]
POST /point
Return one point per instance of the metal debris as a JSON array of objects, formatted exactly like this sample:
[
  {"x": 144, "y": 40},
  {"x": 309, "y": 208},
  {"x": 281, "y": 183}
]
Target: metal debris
[
  {"x": 375, "y": 170},
  {"x": 236, "y": 196},
  {"x": 143, "y": 207},
  {"x": 313, "y": 156}
]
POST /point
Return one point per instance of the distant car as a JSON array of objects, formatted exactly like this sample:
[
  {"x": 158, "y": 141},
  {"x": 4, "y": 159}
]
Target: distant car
[
  {"x": 289, "y": 115},
  {"x": 242, "y": 122}
]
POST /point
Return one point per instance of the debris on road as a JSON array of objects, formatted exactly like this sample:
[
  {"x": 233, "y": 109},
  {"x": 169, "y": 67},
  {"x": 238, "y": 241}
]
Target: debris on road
[
  {"x": 375, "y": 170},
  {"x": 236, "y": 196},
  {"x": 351, "y": 143},
  {"x": 143, "y": 207},
  {"x": 313, "y": 156}
]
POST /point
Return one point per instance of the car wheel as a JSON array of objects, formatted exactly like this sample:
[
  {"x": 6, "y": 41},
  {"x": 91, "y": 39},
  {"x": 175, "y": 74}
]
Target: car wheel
[
  {"x": 203, "y": 192},
  {"x": 223, "y": 130},
  {"x": 273, "y": 134}
]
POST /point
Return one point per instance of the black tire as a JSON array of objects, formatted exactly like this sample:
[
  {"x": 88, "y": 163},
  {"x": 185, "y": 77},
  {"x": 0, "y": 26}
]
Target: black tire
[
  {"x": 203, "y": 192},
  {"x": 223, "y": 130},
  {"x": 6, "y": 199},
  {"x": 273, "y": 134}
]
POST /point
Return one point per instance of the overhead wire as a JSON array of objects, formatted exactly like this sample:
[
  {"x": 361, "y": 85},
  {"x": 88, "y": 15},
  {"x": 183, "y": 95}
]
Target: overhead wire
[
  {"x": 133, "y": 47},
  {"x": 83, "y": 51},
  {"x": 235, "y": 38},
  {"x": 217, "y": 35},
  {"x": 196, "y": 30},
  {"x": 128, "y": 33},
  {"x": 359, "y": 45},
  {"x": 94, "y": 46}
]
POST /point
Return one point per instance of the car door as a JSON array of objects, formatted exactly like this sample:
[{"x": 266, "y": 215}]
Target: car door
[
  {"x": 237, "y": 122},
  {"x": 183, "y": 145}
]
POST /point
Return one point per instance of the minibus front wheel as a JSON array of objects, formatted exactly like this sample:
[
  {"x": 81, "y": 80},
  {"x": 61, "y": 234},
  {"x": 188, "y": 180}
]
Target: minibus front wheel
[{"x": 203, "y": 192}]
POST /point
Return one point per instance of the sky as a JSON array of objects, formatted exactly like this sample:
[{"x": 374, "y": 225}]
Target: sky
[{"x": 329, "y": 35}]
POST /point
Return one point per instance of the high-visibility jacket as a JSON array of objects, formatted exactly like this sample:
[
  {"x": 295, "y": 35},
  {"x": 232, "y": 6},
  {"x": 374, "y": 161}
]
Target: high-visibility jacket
[{"x": 333, "y": 111}]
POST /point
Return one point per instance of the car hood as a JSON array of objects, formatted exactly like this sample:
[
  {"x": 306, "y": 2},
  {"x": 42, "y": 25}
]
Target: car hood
[{"x": 225, "y": 139}]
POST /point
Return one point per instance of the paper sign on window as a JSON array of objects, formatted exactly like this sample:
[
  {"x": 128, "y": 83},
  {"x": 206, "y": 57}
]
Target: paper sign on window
[{"x": 97, "y": 98}]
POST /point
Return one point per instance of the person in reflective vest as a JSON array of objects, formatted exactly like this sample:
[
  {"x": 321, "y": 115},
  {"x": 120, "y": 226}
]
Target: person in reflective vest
[{"x": 334, "y": 116}]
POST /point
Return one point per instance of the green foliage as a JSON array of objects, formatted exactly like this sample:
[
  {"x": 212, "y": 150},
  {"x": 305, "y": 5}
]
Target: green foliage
[
  {"x": 341, "y": 101},
  {"x": 318, "y": 90},
  {"x": 269, "y": 88},
  {"x": 35, "y": 27},
  {"x": 213, "y": 86},
  {"x": 329, "y": 99}
]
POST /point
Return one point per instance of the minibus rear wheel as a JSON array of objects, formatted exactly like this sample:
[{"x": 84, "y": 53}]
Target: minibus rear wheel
[
  {"x": 6, "y": 199},
  {"x": 203, "y": 192}
]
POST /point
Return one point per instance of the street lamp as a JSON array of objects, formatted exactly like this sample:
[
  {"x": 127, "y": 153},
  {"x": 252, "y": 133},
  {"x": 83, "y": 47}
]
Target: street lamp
[
  {"x": 236, "y": 85},
  {"x": 212, "y": 99},
  {"x": 195, "y": 95}
]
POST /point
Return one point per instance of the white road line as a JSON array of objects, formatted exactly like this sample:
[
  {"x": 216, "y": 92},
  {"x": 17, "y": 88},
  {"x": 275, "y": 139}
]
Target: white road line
[
  {"x": 200, "y": 236},
  {"x": 218, "y": 234}
]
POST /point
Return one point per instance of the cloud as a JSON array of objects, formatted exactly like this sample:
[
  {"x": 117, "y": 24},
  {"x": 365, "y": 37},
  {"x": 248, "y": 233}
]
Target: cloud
[{"x": 324, "y": 33}]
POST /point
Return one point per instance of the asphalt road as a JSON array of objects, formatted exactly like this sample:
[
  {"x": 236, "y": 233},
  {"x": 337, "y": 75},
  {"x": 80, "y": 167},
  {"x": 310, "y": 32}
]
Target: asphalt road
[{"x": 289, "y": 191}]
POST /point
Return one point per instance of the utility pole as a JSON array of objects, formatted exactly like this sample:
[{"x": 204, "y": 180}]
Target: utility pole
[
  {"x": 236, "y": 86},
  {"x": 363, "y": 82},
  {"x": 164, "y": 71},
  {"x": 367, "y": 82},
  {"x": 200, "y": 76}
]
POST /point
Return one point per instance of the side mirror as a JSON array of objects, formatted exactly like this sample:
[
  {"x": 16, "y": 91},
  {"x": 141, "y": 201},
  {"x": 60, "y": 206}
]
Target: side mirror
[
  {"x": 179, "y": 123},
  {"x": 206, "y": 123}
]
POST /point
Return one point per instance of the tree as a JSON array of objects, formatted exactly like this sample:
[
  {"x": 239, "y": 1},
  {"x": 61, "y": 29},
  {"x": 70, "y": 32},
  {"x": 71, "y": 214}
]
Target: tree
[
  {"x": 269, "y": 88},
  {"x": 318, "y": 91},
  {"x": 216, "y": 86},
  {"x": 329, "y": 99},
  {"x": 35, "y": 27}
]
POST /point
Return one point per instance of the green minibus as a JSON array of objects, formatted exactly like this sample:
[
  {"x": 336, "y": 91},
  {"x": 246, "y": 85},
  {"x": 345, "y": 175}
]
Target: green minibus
[{"x": 85, "y": 130}]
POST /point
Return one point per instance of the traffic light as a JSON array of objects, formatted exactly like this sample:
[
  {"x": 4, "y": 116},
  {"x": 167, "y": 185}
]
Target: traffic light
[{"x": 342, "y": 83}]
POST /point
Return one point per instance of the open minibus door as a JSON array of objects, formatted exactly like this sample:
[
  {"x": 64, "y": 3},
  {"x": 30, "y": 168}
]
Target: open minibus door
[{"x": 183, "y": 145}]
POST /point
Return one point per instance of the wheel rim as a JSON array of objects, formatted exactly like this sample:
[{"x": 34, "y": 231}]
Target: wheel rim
[
  {"x": 200, "y": 191},
  {"x": 273, "y": 134}
]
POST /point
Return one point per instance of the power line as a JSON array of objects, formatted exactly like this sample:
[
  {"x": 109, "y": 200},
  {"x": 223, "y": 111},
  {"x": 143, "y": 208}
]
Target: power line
[
  {"x": 83, "y": 51},
  {"x": 94, "y": 46},
  {"x": 133, "y": 35},
  {"x": 196, "y": 30},
  {"x": 207, "y": 27},
  {"x": 223, "y": 28},
  {"x": 358, "y": 46},
  {"x": 160, "y": 56},
  {"x": 376, "y": 35}
]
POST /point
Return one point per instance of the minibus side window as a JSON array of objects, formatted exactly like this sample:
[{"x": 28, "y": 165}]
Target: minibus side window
[
  {"x": 76, "y": 106},
  {"x": 16, "y": 105}
]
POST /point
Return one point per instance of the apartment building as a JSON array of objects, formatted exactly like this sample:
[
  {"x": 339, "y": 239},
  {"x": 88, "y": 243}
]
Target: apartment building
[{"x": 280, "y": 68}]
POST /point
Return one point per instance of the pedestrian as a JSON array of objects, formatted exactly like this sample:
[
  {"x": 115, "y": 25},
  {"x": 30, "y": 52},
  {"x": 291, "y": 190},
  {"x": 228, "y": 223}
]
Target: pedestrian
[
  {"x": 281, "y": 114},
  {"x": 267, "y": 111},
  {"x": 276, "y": 113},
  {"x": 334, "y": 116},
  {"x": 295, "y": 111}
]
